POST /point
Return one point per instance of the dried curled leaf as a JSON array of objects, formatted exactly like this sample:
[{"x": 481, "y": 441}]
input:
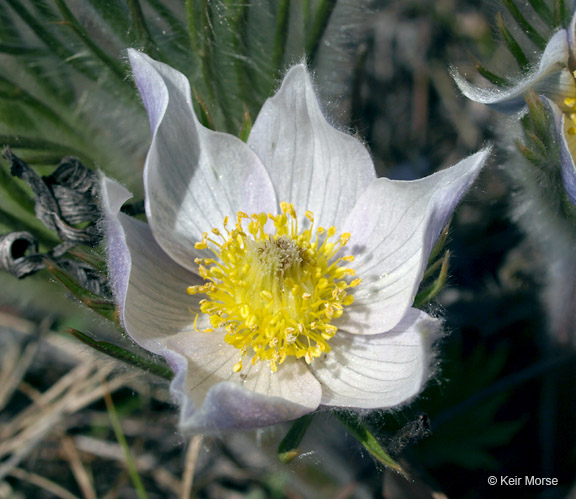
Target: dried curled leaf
[{"x": 65, "y": 200}]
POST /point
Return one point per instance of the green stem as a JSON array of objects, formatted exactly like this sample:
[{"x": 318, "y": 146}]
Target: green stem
[{"x": 130, "y": 464}]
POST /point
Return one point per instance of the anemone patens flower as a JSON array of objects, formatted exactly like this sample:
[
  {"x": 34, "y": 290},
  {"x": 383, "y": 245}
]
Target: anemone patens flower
[
  {"x": 554, "y": 79},
  {"x": 278, "y": 275}
]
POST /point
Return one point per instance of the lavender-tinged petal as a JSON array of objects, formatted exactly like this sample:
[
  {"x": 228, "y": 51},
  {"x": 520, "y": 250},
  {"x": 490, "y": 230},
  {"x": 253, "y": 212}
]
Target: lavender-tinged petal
[
  {"x": 378, "y": 371},
  {"x": 312, "y": 165},
  {"x": 150, "y": 288},
  {"x": 571, "y": 33},
  {"x": 566, "y": 159},
  {"x": 547, "y": 78},
  {"x": 194, "y": 177},
  {"x": 394, "y": 226},
  {"x": 118, "y": 256},
  {"x": 213, "y": 398}
]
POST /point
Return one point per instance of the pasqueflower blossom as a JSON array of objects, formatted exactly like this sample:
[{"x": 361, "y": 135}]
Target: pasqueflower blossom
[
  {"x": 554, "y": 79},
  {"x": 278, "y": 275}
]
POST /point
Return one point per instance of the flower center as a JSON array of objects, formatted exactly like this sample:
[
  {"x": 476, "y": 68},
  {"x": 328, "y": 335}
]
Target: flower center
[{"x": 274, "y": 294}]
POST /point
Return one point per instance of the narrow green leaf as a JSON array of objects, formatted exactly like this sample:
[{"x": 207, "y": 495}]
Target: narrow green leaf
[
  {"x": 143, "y": 360},
  {"x": 288, "y": 448},
  {"x": 102, "y": 307},
  {"x": 282, "y": 22},
  {"x": 241, "y": 59},
  {"x": 431, "y": 269},
  {"x": 368, "y": 441},
  {"x": 439, "y": 245},
  {"x": 33, "y": 143},
  {"x": 72, "y": 22},
  {"x": 512, "y": 44},
  {"x": 538, "y": 144},
  {"x": 530, "y": 31},
  {"x": 193, "y": 26},
  {"x": 52, "y": 42},
  {"x": 537, "y": 115},
  {"x": 246, "y": 127},
  {"x": 178, "y": 29},
  {"x": 91, "y": 258},
  {"x": 13, "y": 49},
  {"x": 114, "y": 14},
  {"x": 202, "y": 40},
  {"x": 11, "y": 91},
  {"x": 319, "y": 24},
  {"x": 141, "y": 28},
  {"x": 529, "y": 154},
  {"x": 202, "y": 110},
  {"x": 427, "y": 295},
  {"x": 130, "y": 464},
  {"x": 560, "y": 13},
  {"x": 543, "y": 11},
  {"x": 493, "y": 78}
]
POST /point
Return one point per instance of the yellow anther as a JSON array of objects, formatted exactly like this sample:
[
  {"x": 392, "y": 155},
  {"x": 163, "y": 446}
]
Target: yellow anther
[
  {"x": 355, "y": 282},
  {"x": 570, "y": 101},
  {"x": 237, "y": 367}
]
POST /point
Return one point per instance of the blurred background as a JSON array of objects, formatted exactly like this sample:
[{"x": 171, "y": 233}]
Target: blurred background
[{"x": 502, "y": 402}]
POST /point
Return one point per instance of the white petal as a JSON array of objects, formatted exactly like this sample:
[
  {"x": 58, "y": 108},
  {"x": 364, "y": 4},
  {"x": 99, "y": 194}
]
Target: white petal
[
  {"x": 566, "y": 159},
  {"x": 378, "y": 371},
  {"x": 312, "y": 165},
  {"x": 393, "y": 228},
  {"x": 193, "y": 177},
  {"x": 214, "y": 398},
  {"x": 150, "y": 287},
  {"x": 548, "y": 78}
]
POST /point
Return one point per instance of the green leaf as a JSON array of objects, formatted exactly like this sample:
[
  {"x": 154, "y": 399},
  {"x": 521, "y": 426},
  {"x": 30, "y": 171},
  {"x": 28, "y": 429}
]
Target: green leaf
[
  {"x": 141, "y": 29},
  {"x": 12, "y": 91},
  {"x": 368, "y": 441},
  {"x": 246, "y": 127},
  {"x": 72, "y": 22},
  {"x": 534, "y": 36},
  {"x": 178, "y": 29},
  {"x": 102, "y": 307},
  {"x": 493, "y": 78},
  {"x": 439, "y": 245},
  {"x": 427, "y": 295},
  {"x": 288, "y": 448},
  {"x": 560, "y": 18},
  {"x": 52, "y": 42},
  {"x": 512, "y": 44},
  {"x": 280, "y": 38},
  {"x": 319, "y": 25},
  {"x": 543, "y": 11},
  {"x": 144, "y": 360}
]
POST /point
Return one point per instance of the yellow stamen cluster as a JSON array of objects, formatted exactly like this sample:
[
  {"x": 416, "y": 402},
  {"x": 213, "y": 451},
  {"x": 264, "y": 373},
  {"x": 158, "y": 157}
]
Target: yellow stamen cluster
[
  {"x": 274, "y": 294},
  {"x": 570, "y": 103}
]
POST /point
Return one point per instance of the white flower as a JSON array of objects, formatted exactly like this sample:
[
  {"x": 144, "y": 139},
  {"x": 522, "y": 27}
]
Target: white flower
[
  {"x": 555, "y": 80},
  {"x": 311, "y": 262}
]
